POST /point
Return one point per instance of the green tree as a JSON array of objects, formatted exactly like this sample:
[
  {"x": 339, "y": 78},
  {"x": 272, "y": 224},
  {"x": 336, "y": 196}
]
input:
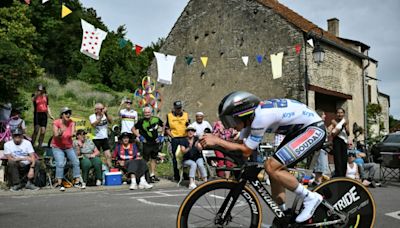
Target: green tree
[{"x": 17, "y": 59}]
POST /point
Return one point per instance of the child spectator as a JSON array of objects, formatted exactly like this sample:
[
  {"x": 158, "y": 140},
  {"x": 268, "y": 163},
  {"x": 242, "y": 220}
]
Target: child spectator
[
  {"x": 226, "y": 134},
  {"x": 128, "y": 158}
]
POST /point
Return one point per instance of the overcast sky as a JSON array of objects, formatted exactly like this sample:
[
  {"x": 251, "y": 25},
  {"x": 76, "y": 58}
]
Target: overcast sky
[{"x": 373, "y": 22}]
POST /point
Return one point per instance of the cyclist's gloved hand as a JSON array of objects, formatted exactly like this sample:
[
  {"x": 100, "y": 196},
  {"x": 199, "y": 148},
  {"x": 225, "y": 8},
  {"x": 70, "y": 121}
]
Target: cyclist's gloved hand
[
  {"x": 141, "y": 138},
  {"x": 160, "y": 139}
]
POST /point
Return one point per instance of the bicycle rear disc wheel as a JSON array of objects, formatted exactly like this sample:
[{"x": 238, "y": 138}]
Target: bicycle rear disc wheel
[
  {"x": 349, "y": 196},
  {"x": 200, "y": 207}
]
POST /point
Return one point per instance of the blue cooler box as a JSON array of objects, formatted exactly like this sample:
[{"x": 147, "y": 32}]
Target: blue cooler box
[{"x": 113, "y": 178}]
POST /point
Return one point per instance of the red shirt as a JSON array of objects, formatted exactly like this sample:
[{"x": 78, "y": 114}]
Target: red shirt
[
  {"x": 65, "y": 141},
  {"x": 41, "y": 103}
]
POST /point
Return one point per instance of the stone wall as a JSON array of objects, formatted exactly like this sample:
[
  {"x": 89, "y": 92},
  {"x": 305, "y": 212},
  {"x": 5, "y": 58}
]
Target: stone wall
[{"x": 226, "y": 30}]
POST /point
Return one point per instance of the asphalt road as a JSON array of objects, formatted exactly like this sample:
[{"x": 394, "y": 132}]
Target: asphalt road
[{"x": 113, "y": 207}]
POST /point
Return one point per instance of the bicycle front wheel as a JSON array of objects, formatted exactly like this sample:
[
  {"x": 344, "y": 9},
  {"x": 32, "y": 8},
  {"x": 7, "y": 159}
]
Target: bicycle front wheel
[
  {"x": 200, "y": 208},
  {"x": 349, "y": 196}
]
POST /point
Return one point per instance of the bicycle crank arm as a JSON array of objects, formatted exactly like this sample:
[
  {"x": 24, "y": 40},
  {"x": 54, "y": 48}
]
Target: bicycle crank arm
[
  {"x": 327, "y": 223},
  {"x": 331, "y": 211}
]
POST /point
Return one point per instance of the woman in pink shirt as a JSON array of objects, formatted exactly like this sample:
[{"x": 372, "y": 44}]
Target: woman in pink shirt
[
  {"x": 62, "y": 145},
  {"x": 41, "y": 112}
]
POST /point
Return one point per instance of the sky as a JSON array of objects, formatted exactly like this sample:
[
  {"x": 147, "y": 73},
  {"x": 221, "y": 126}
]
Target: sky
[{"x": 375, "y": 23}]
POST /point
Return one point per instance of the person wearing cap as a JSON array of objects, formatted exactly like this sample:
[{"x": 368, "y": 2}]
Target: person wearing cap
[
  {"x": 41, "y": 112},
  {"x": 177, "y": 121},
  {"x": 16, "y": 121},
  {"x": 128, "y": 117},
  {"x": 191, "y": 149},
  {"x": 21, "y": 160},
  {"x": 128, "y": 158},
  {"x": 90, "y": 157},
  {"x": 147, "y": 131},
  {"x": 100, "y": 120},
  {"x": 201, "y": 124},
  {"x": 352, "y": 168},
  {"x": 62, "y": 145}
]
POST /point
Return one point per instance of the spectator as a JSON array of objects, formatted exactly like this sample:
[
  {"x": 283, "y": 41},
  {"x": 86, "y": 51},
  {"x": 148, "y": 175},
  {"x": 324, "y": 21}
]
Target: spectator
[
  {"x": 147, "y": 132},
  {"x": 192, "y": 158},
  {"x": 200, "y": 124},
  {"x": 128, "y": 117},
  {"x": 339, "y": 129},
  {"x": 128, "y": 158},
  {"x": 16, "y": 121},
  {"x": 352, "y": 168},
  {"x": 90, "y": 157},
  {"x": 176, "y": 124},
  {"x": 319, "y": 163},
  {"x": 41, "y": 112},
  {"x": 62, "y": 146},
  {"x": 363, "y": 167},
  {"x": 100, "y": 120},
  {"x": 22, "y": 164},
  {"x": 223, "y": 133}
]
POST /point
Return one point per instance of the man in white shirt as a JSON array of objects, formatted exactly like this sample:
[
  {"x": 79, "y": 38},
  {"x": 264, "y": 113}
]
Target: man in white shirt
[
  {"x": 128, "y": 118},
  {"x": 21, "y": 161},
  {"x": 100, "y": 120},
  {"x": 200, "y": 125}
]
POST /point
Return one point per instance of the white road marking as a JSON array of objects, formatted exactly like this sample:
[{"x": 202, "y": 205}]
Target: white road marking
[
  {"x": 394, "y": 214},
  {"x": 157, "y": 204},
  {"x": 156, "y": 196},
  {"x": 152, "y": 192}
]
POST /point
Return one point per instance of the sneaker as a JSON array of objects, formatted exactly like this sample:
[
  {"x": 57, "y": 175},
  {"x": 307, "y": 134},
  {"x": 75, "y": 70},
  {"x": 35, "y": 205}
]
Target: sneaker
[
  {"x": 79, "y": 185},
  {"x": 16, "y": 188},
  {"x": 83, "y": 185},
  {"x": 60, "y": 187},
  {"x": 192, "y": 186},
  {"x": 145, "y": 185},
  {"x": 133, "y": 186},
  {"x": 98, "y": 183},
  {"x": 154, "y": 179},
  {"x": 31, "y": 186},
  {"x": 310, "y": 203},
  {"x": 366, "y": 183}
]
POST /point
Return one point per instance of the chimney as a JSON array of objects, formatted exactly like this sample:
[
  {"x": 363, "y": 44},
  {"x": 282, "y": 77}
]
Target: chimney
[{"x": 333, "y": 26}]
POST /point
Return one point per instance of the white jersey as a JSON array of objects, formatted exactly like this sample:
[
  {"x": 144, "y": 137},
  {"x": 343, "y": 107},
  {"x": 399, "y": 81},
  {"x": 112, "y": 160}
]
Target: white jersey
[
  {"x": 128, "y": 119},
  {"x": 280, "y": 116}
]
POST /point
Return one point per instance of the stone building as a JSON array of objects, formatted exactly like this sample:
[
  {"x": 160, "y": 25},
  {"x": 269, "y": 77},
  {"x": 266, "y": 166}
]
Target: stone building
[{"x": 226, "y": 30}]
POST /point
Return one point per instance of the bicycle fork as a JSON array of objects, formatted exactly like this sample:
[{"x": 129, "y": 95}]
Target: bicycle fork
[{"x": 223, "y": 216}]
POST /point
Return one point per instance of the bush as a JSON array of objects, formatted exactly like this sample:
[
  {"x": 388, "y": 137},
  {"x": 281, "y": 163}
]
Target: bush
[{"x": 102, "y": 88}]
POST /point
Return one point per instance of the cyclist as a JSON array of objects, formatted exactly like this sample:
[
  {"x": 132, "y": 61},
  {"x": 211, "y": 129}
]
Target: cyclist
[{"x": 304, "y": 132}]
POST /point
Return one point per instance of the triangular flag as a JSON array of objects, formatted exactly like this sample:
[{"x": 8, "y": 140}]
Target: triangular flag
[
  {"x": 259, "y": 58},
  {"x": 122, "y": 42},
  {"x": 298, "y": 48},
  {"x": 65, "y": 11},
  {"x": 44, "y": 1},
  {"x": 138, "y": 49},
  {"x": 28, "y": 2},
  {"x": 204, "y": 60},
  {"x": 189, "y": 60},
  {"x": 310, "y": 42},
  {"x": 245, "y": 60}
]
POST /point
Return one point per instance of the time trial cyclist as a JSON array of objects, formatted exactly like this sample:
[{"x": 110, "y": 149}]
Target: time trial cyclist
[{"x": 304, "y": 132}]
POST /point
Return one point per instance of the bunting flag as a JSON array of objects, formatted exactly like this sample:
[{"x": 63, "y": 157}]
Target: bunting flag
[
  {"x": 65, "y": 11},
  {"x": 44, "y": 1},
  {"x": 204, "y": 60},
  {"x": 245, "y": 60},
  {"x": 310, "y": 42},
  {"x": 122, "y": 42},
  {"x": 189, "y": 60},
  {"x": 276, "y": 64},
  {"x": 91, "y": 40},
  {"x": 165, "y": 67},
  {"x": 259, "y": 58},
  {"x": 138, "y": 49},
  {"x": 28, "y": 2},
  {"x": 298, "y": 48}
]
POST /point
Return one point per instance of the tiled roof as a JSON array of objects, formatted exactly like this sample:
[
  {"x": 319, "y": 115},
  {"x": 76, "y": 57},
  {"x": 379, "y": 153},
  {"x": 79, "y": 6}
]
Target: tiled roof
[{"x": 297, "y": 20}]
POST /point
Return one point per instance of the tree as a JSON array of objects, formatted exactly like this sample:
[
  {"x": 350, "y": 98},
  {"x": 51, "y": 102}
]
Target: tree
[{"x": 18, "y": 62}]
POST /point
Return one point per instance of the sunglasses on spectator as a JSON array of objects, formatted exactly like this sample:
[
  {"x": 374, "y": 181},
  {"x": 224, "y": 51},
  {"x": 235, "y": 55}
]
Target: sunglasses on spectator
[
  {"x": 128, "y": 102},
  {"x": 67, "y": 113}
]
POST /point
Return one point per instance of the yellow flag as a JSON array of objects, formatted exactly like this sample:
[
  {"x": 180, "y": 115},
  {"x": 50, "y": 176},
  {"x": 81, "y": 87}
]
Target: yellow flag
[
  {"x": 204, "y": 61},
  {"x": 65, "y": 11}
]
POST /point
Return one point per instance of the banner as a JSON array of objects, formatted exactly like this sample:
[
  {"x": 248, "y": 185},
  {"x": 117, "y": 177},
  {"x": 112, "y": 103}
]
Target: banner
[{"x": 84, "y": 124}]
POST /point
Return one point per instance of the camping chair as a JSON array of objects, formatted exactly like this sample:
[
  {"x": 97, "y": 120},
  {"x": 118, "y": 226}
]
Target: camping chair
[
  {"x": 390, "y": 166},
  {"x": 50, "y": 164}
]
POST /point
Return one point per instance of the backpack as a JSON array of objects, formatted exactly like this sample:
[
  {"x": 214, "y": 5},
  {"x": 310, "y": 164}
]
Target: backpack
[{"x": 40, "y": 178}]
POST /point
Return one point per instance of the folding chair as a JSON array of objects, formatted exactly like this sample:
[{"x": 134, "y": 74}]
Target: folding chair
[
  {"x": 390, "y": 166},
  {"x": 50, "y": 164}
]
